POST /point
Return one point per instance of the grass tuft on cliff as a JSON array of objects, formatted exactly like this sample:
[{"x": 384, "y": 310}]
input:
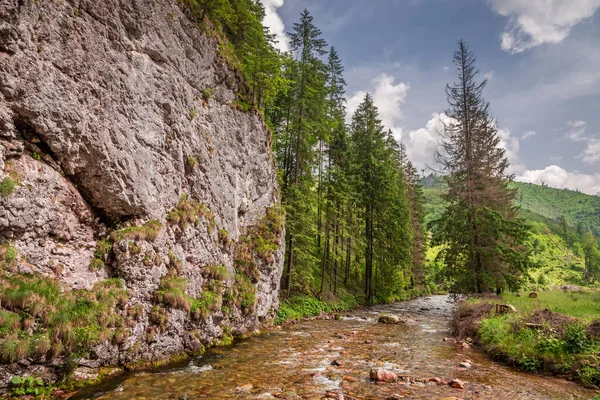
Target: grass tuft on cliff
[
  {"x": 7, "y": 186},
  {"x": 149, "y": 231},
  {"x": 39, "y": 320}
]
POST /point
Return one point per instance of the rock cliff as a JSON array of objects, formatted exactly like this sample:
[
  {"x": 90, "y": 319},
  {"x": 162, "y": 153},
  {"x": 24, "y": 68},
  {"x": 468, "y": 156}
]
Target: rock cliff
[{"x": 139, "y": 213}]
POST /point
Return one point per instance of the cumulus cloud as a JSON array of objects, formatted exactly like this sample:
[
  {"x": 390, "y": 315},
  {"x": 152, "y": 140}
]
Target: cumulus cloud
[
  {"x": 275, "y": 24},
  {"x": 557, "y": 177},
  {"x": 591, "y": 154},
  {"x": 534, "y": 22},
  {"x": 528, "y": 134},
  {"x": 388, "y": 97},
  {"x": 422, "y": 143},
  {"x": 511, "y": 146}
]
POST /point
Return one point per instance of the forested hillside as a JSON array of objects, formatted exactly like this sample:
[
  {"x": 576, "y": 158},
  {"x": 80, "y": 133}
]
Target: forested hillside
[
  {"x": 580, "y": 210},
  {"x": 561, "y": 222}
]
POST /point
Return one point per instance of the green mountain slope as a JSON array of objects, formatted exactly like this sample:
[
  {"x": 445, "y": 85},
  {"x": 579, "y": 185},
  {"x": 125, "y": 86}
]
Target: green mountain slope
[{"x": 577, "y": 208}]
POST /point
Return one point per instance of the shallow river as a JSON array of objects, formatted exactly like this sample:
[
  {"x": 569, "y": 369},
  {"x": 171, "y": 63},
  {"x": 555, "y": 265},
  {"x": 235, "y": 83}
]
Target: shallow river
[{"x": 296, "y": 363}]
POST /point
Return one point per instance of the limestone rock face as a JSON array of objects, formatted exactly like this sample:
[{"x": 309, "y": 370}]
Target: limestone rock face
[{"x": 115, "y": 113}]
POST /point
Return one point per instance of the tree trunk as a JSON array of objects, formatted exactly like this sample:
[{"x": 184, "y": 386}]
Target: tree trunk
[
  {"x": 369, "y": 256},
  {"x": 289, "y": 266}
]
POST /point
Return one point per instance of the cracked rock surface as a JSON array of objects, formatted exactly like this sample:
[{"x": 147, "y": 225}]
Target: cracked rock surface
[{"x": 103, "y": 125}]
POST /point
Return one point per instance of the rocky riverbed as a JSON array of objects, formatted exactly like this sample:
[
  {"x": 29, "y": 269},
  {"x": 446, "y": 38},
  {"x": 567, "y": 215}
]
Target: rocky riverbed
[{"x": 337, "y": 358}]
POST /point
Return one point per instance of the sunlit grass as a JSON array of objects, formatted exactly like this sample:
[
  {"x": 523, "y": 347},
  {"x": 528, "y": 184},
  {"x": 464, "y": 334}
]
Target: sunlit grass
[{"x": 579, "y": 304}]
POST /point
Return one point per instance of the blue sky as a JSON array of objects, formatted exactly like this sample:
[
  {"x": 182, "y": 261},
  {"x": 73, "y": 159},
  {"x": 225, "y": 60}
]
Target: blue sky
[{"x": 542, "y": 60}]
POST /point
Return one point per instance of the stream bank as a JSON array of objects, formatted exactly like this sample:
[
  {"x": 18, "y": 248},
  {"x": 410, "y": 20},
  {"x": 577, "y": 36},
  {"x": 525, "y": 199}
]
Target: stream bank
[{"x": 305, "y": 360}]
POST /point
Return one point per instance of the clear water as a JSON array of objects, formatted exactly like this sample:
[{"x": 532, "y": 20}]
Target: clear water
[{"x": 295, "y": 363}]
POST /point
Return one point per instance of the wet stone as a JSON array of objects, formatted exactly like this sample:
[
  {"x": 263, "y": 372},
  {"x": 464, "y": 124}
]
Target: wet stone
[{"x": 457, "y": 384}]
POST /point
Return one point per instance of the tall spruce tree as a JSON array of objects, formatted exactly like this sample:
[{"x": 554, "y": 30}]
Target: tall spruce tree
[
  {"x": 482, "y": 236},
  {"x": 307, "y": 109},
  {"x": 417, "y": 218},
  {"x": 381, "y": 196}
]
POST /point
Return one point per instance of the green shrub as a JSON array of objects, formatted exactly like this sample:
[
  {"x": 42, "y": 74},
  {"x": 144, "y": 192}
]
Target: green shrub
[
  {"x": 551, "y": 345},
  {"x": 7, "y": 186},
  {"x": 300, "y": 307},
  {"x": 241, "y": 105},
  {"x": 96, "y": 264},
  {"x": 576, "y": 340},
  {"x": 215, "y": 272},
  {"x": 208, "y": 301},
  {"x": 23, "y": 386},
  {"x": 172, "y": 293},
  {"x": 529, "y": 364},
  {"x": 588, "y": 375}
]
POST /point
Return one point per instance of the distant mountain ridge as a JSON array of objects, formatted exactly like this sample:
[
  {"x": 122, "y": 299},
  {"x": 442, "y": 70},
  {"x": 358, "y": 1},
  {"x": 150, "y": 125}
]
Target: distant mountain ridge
[
  {"x": 576, "y": 207},
  {"x": 535, "y": 200}
]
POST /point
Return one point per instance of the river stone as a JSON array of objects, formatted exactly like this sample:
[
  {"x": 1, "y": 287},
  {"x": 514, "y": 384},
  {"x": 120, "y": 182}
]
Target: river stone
[
  {"x": 383, "y": 375},
  {"x": 390, "y": 319},
  {"x": 457, "y": 384}
]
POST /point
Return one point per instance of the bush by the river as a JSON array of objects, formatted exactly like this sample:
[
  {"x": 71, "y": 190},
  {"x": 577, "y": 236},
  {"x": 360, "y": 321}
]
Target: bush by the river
[{"x": 554, "y": 332}]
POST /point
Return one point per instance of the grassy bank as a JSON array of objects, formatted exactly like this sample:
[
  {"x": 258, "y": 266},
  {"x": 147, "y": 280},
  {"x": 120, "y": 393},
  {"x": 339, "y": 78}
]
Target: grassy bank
[
  {"x": 303, "y": 306},
  {"x": 299, "y": 307},
  {"x": 557, "y": 332}
]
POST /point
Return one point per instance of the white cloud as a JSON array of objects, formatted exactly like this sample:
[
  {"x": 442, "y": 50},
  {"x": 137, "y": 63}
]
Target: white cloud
[
  {"x": 576, "y": 124},
  {"x": 422, "y": 144},
  {"x": 591, "y": 154},
  {"x": 534, "y": 22},
  {"x": 577, "y": 130},
  {"x": 528, "y": 134},
  {"x": 557, "y": 177},
  {"x": 489, "y": 75},
  {"x": 388, "y": 97},
  {"x": 275, "y": 24},
  {"x": 511, "y": 146}
]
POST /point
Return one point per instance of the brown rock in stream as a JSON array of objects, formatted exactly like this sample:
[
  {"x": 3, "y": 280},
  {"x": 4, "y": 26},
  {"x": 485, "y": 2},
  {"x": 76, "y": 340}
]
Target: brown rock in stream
[
  {"x": 390, "y": 319},
  {"x": 383, "y": 375},
  {"x": 457, "y": 384},
  {"x": 466, "y": 365}
]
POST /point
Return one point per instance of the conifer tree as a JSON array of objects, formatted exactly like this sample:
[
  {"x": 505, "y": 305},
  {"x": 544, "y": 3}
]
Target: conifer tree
[
  {"x": 592, "y": 258},
  {"x": 417, "y": 218},
  {"x": 482, "y": 235},
  {"x": 307, "y": 111}
]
